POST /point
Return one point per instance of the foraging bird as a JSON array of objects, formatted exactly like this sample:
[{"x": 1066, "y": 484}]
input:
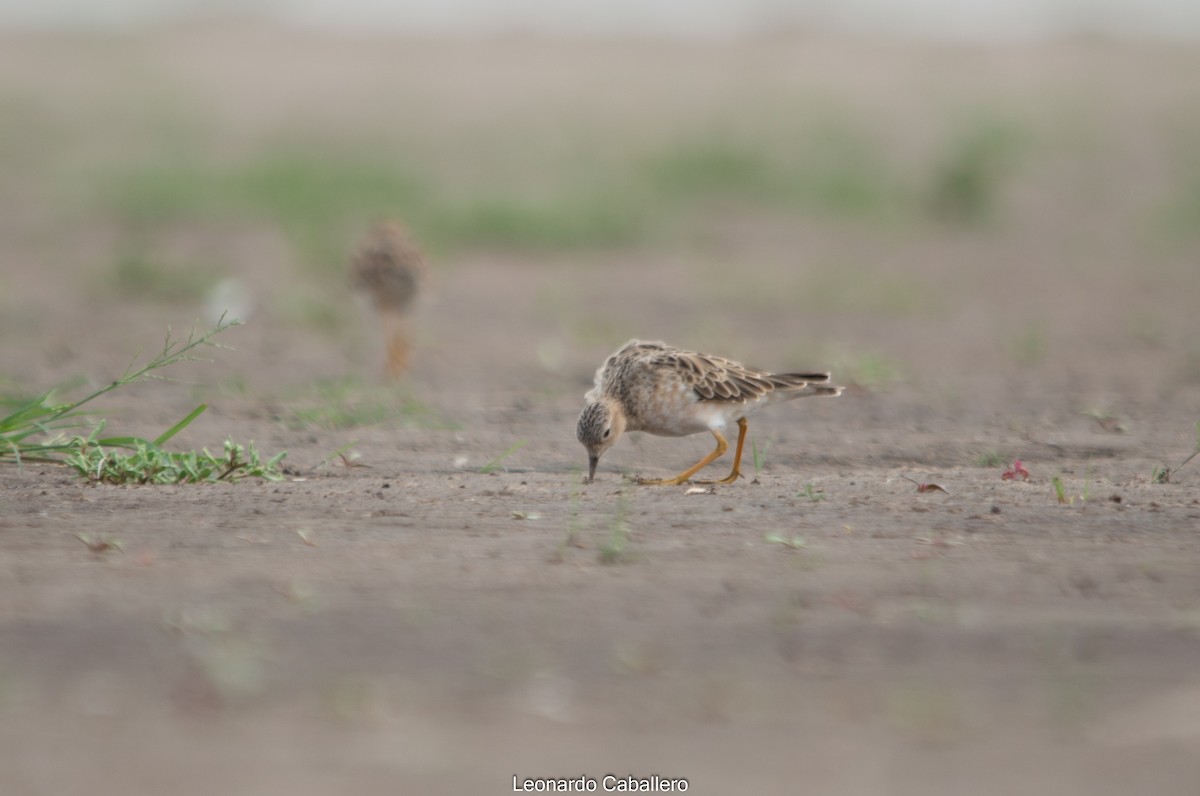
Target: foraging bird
[
  {"x": 662, "y": 390},
  {"x": 389, "y": 268}
]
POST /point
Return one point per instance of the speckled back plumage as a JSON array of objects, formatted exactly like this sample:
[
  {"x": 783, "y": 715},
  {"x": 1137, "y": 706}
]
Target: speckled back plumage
[
  {"x": 662, "y": 390},
  {"x": 655, "y": 383}
]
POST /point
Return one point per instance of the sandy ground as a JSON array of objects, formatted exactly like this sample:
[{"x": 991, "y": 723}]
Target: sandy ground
[{"x": 416, "y": 626}]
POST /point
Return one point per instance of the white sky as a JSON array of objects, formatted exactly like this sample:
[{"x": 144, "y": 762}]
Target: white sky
[{"x": 971, "y": 19}]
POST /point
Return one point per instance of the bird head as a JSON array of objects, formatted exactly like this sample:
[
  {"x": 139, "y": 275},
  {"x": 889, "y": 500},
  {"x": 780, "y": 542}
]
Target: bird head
[{"x": 600, "y": 426}]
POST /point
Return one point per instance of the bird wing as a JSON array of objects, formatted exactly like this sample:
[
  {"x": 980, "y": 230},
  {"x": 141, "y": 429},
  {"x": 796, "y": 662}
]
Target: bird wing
[{"x": 718, "y": 379}]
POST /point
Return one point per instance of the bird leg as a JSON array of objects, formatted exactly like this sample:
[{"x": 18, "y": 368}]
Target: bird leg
[
  {"x": 734, "y": 474},
  {"x": 398, "y": 341},
  {"x": 722, "y": 446}
]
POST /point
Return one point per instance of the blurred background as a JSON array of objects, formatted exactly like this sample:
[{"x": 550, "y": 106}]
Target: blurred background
[
  {"x": 983, "y": 216},
  {"x": 857, "y": 180},
  {"x": 982, "y": 19},
  {"x": 1001, "y": 170}
]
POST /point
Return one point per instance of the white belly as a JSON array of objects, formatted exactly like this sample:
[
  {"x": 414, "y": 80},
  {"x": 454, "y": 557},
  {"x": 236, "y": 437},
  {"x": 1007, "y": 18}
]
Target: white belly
[{"x": 682, "y": 413}]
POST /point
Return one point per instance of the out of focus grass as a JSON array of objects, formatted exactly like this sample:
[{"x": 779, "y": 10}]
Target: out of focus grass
[
  {"x": 139, "y": 275},
  {"x": 968, "y": 177},
  {"x": 312, "y": 196},
  {"x": 345, "y": 403},
  {"x": 830, "y": 170},
  {"x": 320, "y": 198}
]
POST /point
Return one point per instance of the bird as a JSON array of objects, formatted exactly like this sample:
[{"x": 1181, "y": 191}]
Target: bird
[
  {"x": 388, "y": 267},
  {"x": 657, "y": 388}
]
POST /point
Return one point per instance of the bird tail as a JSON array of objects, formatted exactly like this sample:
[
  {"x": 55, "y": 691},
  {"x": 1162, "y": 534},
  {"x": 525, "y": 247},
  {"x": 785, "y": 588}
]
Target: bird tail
[{"x": 805, "y": 384}]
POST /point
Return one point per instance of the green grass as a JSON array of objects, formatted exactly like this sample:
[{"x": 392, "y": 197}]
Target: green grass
[
  {"x": 968, "y": 178},
  {"x": 574, "y": 525},
  {"x": 813, "y": 494},
  {"x": 1029, "y": 347},
  {"x": 1179, "y": 216},
  {"x": 587, "y": 221},
  {"x": 870, "y": 371},
  {"x": 1162, "y": 474},
  {"x": 1060, "y": 491},
  {"x": 498, "y": 462},
  {"x": 793, "y": 542},
  {"x": 759, "y": 456},
  {"x": 307, "y": 306},
  {"x": 828, "y": 170},
  {"x": 316, "y": 199},
  {"x": 147, "y": 463},
  {"x": 345, "y": 403},
  {"x": 713, "y": 167},
  {"x": 847, "y": 287},
  {"x": 665, "y": 188},
  {"x": 137, "y": 275},
  {"x": 320, "y": 199},
  {"x": 613, "y": 550},
  {"x": 990, "y": 458},
  {"x": 38, "y": 430}
]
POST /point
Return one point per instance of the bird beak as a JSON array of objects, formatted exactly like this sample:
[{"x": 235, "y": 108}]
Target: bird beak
[{"x": 592, "y": 462}]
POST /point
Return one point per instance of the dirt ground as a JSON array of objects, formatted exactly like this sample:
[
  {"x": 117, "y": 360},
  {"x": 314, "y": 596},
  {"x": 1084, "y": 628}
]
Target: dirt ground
[{"x": 414, "y": 625}]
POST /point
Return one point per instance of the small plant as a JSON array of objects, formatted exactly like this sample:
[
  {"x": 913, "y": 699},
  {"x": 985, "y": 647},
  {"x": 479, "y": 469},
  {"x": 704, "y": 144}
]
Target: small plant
[
  {"x": 1060, "y": 491},
  {"x": 37, "y": 432},
  {"x": 497, "y": 463},
  {"x": 989, "y": 459},
  {"x": 571, "y": 537},
  {"x": 346, "y": 454},
  {"x": 760, "y": 457},
  {"x": 150, "y": 464},
  {"x": 348, "y": 403},
  {"x": 794, "y": 543},
  {"x": 1106, "y": 420},
  {"x": 871, "y": 372},
  {"x": 924, "y": 487},
  {"x": 1015, "y": 473},
  {"x": 967, "y": 181},
  {"x": 1162, "y": 475},
  {"x": 1029, "y": 347},
  {"x": 136, "y": 274},
  {"x": 813, "y": 494},
  {"x": 612, "y": 551},
  {"x": 100, "y": 544}
]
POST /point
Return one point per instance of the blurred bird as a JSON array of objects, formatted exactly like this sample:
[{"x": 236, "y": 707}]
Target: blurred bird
[
  {"x": 389, "y": 268},
  {"x": 653, "y": 387}
]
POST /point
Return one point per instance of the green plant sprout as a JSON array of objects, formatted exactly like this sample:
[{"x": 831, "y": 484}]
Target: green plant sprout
[
  {"x": 1162, "y": 475},
  {"x": 989, "y": 458},
  {"x": 1060, "y": 491},
  {"x": 760, "y": 456},
  {"x": 149, "y": 464},
  {"x": 612, "y": 551},
  {"x": 813, "y": 494},
  {"x": 795, "y": 542},
  {"x": 497, "y": 463}
]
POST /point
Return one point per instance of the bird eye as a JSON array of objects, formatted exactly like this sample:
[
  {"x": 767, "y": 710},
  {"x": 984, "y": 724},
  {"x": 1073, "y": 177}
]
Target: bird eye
[{"x": 607, "y": 431}]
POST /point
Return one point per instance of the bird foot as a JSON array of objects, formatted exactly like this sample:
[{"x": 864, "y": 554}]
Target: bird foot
[
  {"x": 660, "y": 481},
  {"x": 729, "y": 479}
]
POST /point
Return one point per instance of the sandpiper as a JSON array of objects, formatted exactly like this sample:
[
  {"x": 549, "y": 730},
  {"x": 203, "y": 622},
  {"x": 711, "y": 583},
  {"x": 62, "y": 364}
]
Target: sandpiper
[
  {"x": 662, "y": 390},
  {"x": 388, "y": 267}
]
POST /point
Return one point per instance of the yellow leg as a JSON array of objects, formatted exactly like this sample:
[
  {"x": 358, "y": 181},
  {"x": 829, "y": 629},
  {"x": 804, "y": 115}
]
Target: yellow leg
[
  {"x": 735, "y": 473},
  {"x": 398, "y": 341},
  {"x": 722, "y": 446}
]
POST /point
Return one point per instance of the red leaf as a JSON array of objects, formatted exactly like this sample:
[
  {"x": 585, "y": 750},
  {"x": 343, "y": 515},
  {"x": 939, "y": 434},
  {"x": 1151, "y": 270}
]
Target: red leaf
[{"x": 1018, "y": 471}]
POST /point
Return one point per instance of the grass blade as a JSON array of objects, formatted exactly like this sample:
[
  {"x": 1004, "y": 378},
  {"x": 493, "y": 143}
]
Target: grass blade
[
  {"x": 494, "y": 464},
  {"x": 180, "y": 426}
]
